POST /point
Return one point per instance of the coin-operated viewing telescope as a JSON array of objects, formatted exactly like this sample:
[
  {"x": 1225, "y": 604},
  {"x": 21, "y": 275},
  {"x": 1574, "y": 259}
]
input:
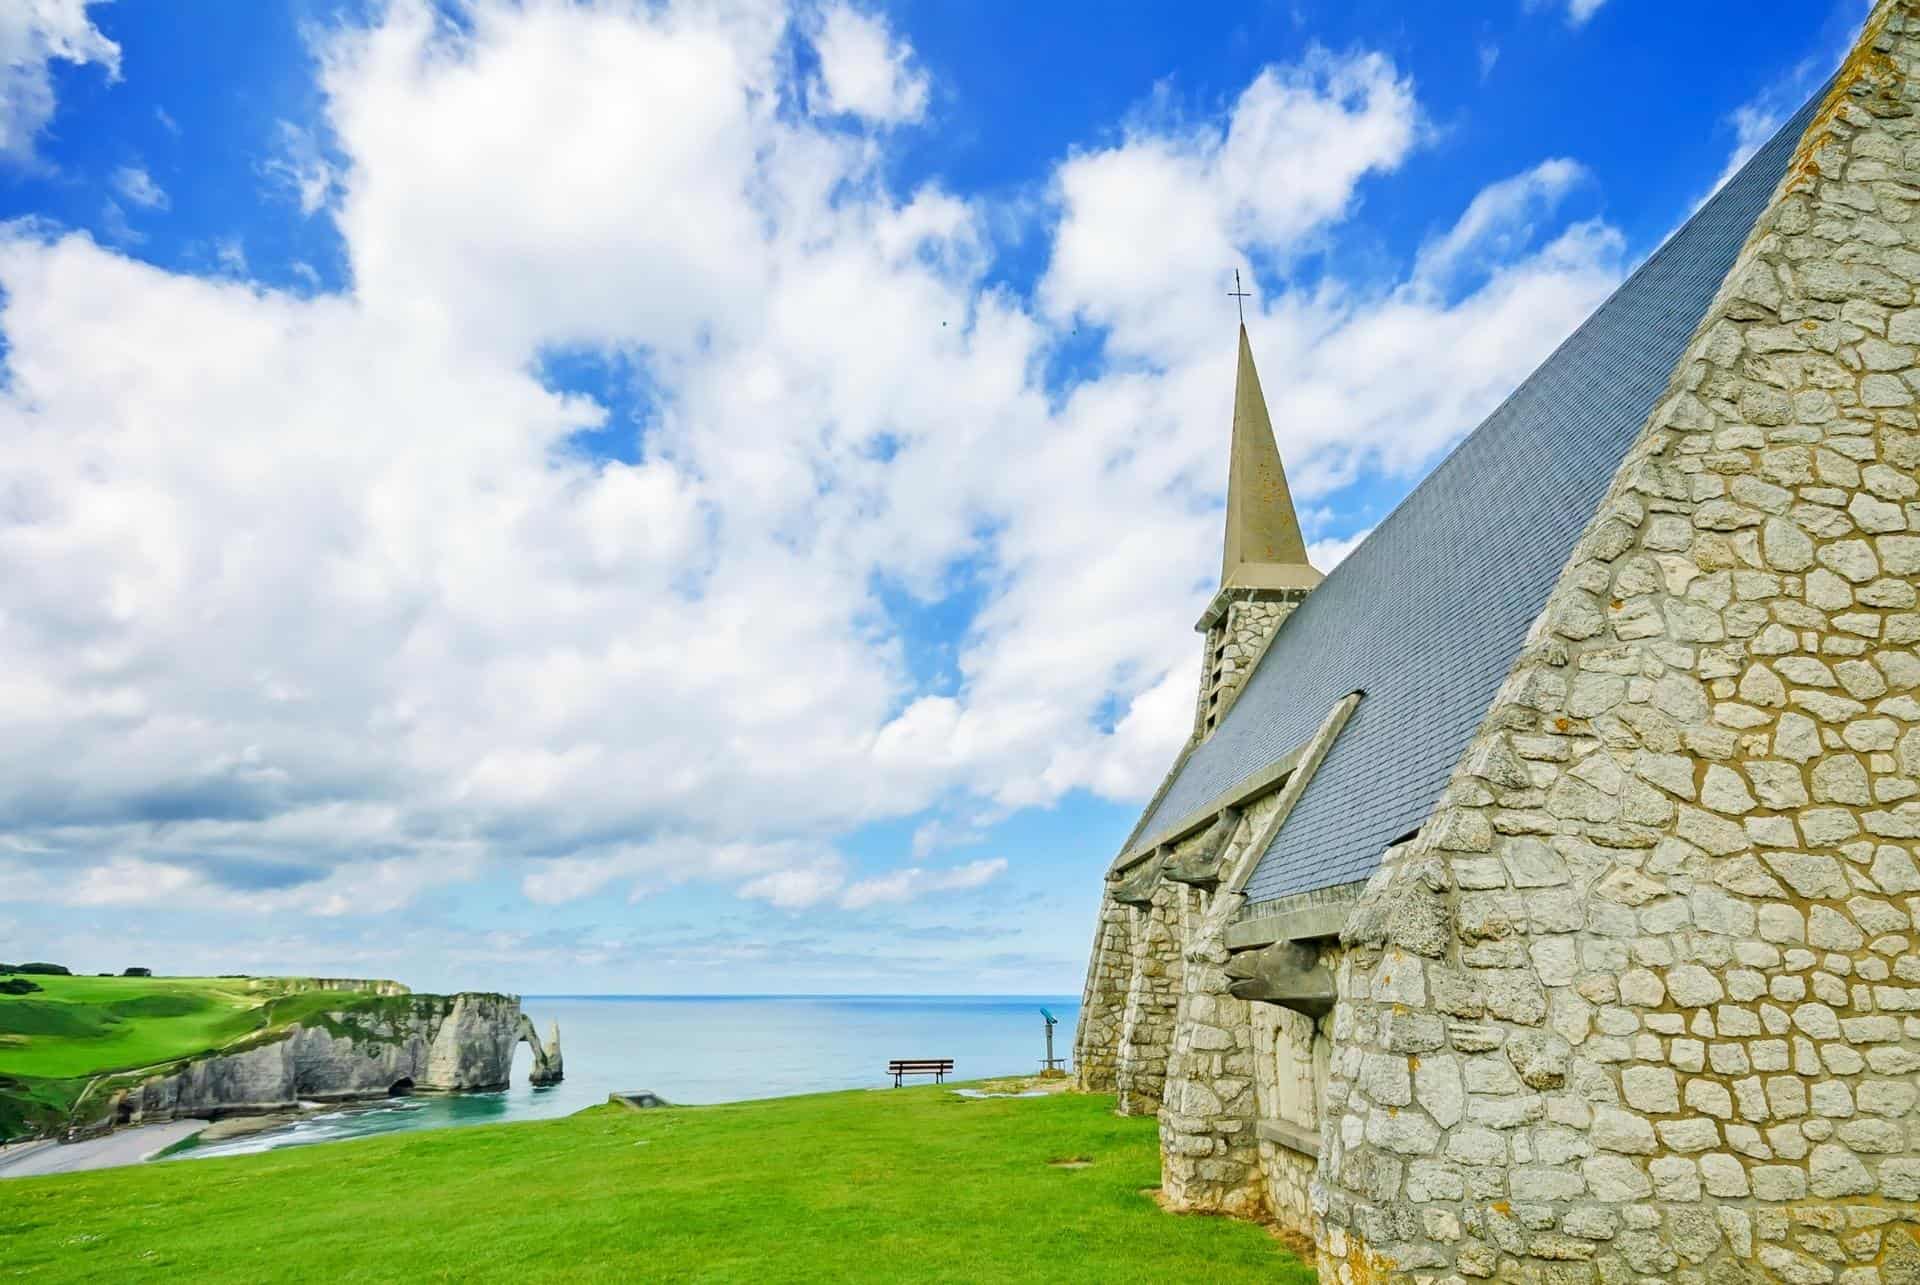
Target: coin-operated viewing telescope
[{"x": 1051, "y": 1065}]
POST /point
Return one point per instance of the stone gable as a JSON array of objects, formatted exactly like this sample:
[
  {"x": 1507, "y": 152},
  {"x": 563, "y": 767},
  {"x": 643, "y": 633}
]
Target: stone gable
[
  {"x": 1661, "y": 930},
  {"x": 1640, "y": 1001}
]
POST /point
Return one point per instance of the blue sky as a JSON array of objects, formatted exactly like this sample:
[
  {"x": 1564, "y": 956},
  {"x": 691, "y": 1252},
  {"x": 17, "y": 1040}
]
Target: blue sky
[{"x": 680, "y": 498}]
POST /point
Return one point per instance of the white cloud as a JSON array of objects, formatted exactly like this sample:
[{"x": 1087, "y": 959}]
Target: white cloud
[
  {"x": 134, "y": 183},
  {"x": 792, "y": 876},
  {"x": 33, "y": 35},
  {"x": 306, "y": 595},
  {"x": 669, "y": 861},
  {"x": 115, "y": 226},
  {"x": 565, "y": 879},
  {"x": 1752, "y": 124},
  {"x": 1502, "y": 221},
  {"x": 129, "y": 881},
  {"x": 798, "y": 888},
  {"x": 914, "y": 881},
  {"x": 863, "y": 71},
  {"x": 1329, "y": 553},
  {"x": 301, "y": 167},
  {"x": 364, "y": 888},
  {"x": 230, "y": 252},
  {"x": 1144, "y": 221},
  {"x": 1578, "y": 11},
  {"x": 1760, "y": 117},
  {"x": 932, "y": 836}
]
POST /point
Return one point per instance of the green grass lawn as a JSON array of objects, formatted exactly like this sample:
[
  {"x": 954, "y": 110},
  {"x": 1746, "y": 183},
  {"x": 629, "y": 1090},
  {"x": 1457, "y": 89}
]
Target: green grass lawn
[
  {"x": 53, "y": 1041},
  {"x": 83, "y": 1025},
  {"x": 896, "y": 1185}
]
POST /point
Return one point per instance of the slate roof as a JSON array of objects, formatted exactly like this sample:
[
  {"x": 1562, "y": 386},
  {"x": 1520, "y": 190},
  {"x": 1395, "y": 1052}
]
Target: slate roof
[{"x": 1428, "y": 614}]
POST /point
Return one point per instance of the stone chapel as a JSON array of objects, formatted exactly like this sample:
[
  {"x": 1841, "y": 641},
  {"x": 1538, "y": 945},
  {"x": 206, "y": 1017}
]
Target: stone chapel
[{"x": 1536, "y": 896}]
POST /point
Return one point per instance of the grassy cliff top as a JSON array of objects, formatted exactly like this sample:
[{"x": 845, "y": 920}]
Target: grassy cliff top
[
  {"x": 893, "y": 1185},
  {"x": 77, "y": 1026},
  {"x": 53, "y": 1041}
]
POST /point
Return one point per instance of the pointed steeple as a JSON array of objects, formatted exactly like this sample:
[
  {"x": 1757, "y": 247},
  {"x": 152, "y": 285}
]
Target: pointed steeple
[{"x": 1264, "y": 549}]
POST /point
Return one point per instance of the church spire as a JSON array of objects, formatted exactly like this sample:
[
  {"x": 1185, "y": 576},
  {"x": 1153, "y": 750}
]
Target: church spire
[
  {"x": 1264, "y": 549},
  {"x": 1264, "y": 572}
]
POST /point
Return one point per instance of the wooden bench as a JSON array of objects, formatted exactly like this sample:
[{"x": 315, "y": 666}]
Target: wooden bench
[{"x": 937, "y": 1067}]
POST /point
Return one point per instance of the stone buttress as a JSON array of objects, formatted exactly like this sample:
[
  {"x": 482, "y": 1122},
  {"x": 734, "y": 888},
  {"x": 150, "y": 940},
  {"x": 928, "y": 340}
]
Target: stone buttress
[
  {"x": 1153, "y": 998},
  {"x": 1241, "y": 1115},
  {"x": 1209, "y": 1151},
  {"x": 1096, "y": 1041},
  {"x": 1641, "y": 1002}
]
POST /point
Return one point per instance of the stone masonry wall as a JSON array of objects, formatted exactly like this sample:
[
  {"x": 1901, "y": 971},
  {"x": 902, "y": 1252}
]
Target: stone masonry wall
[
  {"x": 1642, "y": 1002},
  {"x": 1103, "y": 1002},
  {"x": 1131, "y": 1001},
  {"x": 1210, "y": 1156},
  {"x": 1288, "y": 1175},
  {"x": 1153, "y": 998},
  {"x": 1236, "y": 1063}
]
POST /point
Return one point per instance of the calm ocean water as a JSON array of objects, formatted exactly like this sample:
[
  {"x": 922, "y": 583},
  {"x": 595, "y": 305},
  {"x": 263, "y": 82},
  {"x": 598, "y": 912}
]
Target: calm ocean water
[{"x": 716, "y": 1049}]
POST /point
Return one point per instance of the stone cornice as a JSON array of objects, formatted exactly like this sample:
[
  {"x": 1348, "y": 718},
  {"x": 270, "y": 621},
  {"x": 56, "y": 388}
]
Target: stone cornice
[
  {"x": 1302, "y": 917},
  {"x": 1230, "y": 594}
]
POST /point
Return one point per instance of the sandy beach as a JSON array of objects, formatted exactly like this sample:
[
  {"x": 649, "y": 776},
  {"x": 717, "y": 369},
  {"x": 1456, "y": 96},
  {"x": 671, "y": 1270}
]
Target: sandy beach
[{"x": 121, "y": 1147}]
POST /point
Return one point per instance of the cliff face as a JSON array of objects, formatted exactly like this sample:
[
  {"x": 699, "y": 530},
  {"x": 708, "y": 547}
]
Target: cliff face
[
  {"x": 368, "y": 985},
  {"x": 431, "y": 1043}
]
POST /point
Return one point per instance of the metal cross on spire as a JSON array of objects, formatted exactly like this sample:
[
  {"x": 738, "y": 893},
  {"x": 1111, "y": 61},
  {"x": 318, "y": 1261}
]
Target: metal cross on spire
[{"x": 1237, "y": 295}]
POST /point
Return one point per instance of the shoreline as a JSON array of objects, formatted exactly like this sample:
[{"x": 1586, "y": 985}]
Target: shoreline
[
  {"x": 128, "y": 1146},
  {"x": 144, "y": 1143},
  {"x": 992, "y": 1037}
]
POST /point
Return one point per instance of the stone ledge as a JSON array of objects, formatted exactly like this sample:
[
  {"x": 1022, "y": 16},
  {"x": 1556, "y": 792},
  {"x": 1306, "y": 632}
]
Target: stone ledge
[
  {"x": 1302, "y": 917},
  {"x": 1291, "y": 1136}
]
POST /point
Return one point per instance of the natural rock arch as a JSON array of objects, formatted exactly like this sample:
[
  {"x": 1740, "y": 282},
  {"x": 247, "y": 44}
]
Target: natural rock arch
[{"x": 547, "y": 1067}]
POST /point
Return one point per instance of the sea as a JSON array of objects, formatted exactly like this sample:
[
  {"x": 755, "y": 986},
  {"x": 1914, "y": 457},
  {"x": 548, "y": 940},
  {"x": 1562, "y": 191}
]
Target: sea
[{"x": 711, "y": 1048}]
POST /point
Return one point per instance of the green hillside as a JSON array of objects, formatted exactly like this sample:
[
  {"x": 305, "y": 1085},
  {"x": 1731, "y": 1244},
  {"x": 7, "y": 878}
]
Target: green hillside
[
  {"x": 53, "y": 1041},
  {"x": 893, "y": 1185}
]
